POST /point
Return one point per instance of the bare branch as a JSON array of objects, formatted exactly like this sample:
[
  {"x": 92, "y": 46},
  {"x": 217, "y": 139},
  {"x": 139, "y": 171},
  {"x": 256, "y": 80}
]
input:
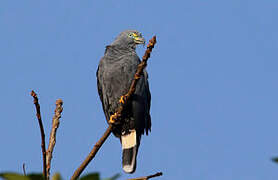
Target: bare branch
[
  {"x": 148, "y": 177},
  {"x": 36, "y": 102},
  {"x": 92, "y": 153},
  {"x": 114, "y": 118},
  {"x": 52, "y": 138}
]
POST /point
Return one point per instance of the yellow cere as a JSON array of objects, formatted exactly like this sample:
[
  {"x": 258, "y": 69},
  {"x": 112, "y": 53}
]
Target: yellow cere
[{"x": 135, "y": 35}]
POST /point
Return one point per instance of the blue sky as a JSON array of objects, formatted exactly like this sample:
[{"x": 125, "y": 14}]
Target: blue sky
[{"x": 213, "y": 78}]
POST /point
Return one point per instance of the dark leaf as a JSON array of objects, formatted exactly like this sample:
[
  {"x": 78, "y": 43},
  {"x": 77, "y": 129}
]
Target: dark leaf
[
  {"x": 13, "y": 176},
  {"x": 56, "y": 176},
  {"x": 16, "y": 176},
  {"x": 275, "y": 159},
  {"x": 91, "y": 176},
  {"x": 116, "y": 176},
  {"x": 35, "y": 176}
]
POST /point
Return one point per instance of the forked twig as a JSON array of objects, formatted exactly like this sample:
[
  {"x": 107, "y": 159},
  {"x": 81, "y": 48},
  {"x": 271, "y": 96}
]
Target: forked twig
[
  {"x": 117, "y": 115},
  {"x": 36, "y": 102},
  {"x": 52, "y": 137}
]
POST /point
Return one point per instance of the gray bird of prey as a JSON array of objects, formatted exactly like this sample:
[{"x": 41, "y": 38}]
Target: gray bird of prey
[{"x": 114, "y": 76}]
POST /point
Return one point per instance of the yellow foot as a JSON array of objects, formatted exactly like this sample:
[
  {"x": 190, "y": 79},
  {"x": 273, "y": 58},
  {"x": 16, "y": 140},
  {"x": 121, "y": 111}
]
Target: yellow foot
[
  {"x": 122, "y": 99},
  {"x": 137, "y": 76},
  {"x": 113, "y": 118}
]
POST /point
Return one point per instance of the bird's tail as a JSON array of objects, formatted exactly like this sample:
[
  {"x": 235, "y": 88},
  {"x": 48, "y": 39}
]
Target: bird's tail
[{"x": 130, "y": 144}]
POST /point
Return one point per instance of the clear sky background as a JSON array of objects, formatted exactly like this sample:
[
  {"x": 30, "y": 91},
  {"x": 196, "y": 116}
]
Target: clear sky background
[{"x": 213, "y": 77}]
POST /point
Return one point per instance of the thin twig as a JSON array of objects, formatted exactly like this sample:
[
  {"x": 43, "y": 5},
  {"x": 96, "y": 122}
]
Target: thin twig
[
  {"x": 155, "y": 175},
  {"x": 148, "y": 177},
  {"x": 117, "y": 115},
  {"x": 23, "y": 167},
  {"x": 36, "y": 102},
  {"x": 52, "y": 138}
]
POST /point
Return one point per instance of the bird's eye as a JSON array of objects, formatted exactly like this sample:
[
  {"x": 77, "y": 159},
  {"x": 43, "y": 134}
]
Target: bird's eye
[{"x": 130, "y": 35}]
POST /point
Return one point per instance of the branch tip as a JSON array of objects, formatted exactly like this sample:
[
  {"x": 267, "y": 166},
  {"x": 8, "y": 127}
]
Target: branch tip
[
  {"x": 37, "y": 105},
  {"x": 59, "y": 102},
  {"x": 52, "y": 137}
]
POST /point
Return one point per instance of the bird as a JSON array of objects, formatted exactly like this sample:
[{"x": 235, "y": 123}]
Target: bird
[{"x": 115, "y": 73}]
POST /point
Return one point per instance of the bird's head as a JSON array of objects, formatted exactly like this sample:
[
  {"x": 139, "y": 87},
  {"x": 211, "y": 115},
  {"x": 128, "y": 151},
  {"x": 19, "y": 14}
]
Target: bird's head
[{"x": 129, "y": 38}]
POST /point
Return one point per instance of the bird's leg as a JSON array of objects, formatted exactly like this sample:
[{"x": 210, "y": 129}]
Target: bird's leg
[
  {"x": 123, "y": 99},
  {"x": 112, "y": 118},
  {"x": 137, "y": 76}
]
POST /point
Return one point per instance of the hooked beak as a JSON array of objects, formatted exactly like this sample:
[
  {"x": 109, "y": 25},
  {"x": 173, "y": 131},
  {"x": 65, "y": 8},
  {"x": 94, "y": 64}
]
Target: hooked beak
[{"x": 139, "y": 40}]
